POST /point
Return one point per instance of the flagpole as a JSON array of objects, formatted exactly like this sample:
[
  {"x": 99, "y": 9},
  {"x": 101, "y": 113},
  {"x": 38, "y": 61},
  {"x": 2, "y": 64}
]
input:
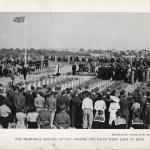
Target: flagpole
[{"x": 25, "y": 53}]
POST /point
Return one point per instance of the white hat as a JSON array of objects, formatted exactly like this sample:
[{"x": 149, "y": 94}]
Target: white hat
[{"x": 115, "y": 99}]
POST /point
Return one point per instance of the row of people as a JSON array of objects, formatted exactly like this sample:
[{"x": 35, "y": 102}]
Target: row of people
[{"x": 53, "y": 108}]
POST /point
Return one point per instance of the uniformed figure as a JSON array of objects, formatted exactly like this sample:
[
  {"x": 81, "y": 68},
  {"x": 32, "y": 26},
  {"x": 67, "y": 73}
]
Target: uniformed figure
[
  {"x": 136, "y": 122},
  {"x": 73, "y": 69},
  {"x": 119, "y": 122}
]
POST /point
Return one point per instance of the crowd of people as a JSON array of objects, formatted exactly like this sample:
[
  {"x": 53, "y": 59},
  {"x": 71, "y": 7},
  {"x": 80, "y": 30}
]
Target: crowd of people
[
  {"x": 124, "y": 68},
  {"x": 49, "y": 108},
  {"x": 116, "y": 69}
]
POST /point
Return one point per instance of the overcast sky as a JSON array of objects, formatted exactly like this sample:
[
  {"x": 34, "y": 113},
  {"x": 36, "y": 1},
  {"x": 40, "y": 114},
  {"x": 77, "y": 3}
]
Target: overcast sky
[{"x": 76, "y": 30}]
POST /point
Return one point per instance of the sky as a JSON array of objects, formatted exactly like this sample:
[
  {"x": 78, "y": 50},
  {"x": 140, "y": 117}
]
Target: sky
[{"x": 120, "y": 31}]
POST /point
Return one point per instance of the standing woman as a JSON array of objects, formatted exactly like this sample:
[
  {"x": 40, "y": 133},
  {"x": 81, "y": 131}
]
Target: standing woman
[
  {"x": 113, "y": 108},
  {"x": 20, "y": 116},
  {"x": 4, "y": 114},
  {"x": 99, "y": 120},
  {"x": 32, "y": 119}
]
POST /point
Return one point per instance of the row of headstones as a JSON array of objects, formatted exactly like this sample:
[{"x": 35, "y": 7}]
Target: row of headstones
[
  {"x": 63, "y": 80},
  {"x": 44, "y": 69},
  {"x": 31, "y": 77},
  {"x": 132, "y": 87},
  {"x": 101, "y": 84}
]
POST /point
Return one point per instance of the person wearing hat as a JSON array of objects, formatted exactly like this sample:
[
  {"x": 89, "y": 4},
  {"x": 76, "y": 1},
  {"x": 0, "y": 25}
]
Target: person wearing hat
[
  {"x": 62, "y": 119},
  {"x": 113, "y": 108},
  {"x": 119, "y": 122},
  {"x": 44, "y": 119}
]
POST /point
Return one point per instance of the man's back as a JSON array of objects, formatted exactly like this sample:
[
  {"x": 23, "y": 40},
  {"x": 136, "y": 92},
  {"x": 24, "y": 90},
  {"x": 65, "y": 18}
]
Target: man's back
[
  {"x": 61, "y": 100},
  {"x": 124, "y": 105},
  {"x": 19, "y": 100},
  {"x": 62, "y": 119},
  {"x": 39, "y": 101},
  {"x": 51, "y": 102}
]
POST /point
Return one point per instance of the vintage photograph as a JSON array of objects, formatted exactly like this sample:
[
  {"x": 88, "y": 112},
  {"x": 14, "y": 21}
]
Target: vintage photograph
[{"x": 74, "y": 70}]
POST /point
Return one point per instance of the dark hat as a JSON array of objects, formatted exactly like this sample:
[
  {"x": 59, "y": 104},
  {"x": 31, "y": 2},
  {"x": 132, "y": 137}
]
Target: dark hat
[
  {"x": 64, "y": 92},
  {"x": 62, "y": 107},
  {"x": 58, "y": 88}
]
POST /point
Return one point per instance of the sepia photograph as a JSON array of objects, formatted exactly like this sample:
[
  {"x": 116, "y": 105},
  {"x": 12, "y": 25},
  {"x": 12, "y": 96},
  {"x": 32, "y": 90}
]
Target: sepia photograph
[
  {"x": 74, "y": 70},
  {"x": 79, "y": 66}
]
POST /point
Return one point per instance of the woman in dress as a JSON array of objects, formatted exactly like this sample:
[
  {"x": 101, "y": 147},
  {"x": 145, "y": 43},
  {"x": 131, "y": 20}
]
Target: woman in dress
[
  {"x": 4, "y": 114},
  {"x": 99, "y": 120},
  {"x": 20, "y": 116},
  {"x": 113, "y": 108},
  {"x": 32, "y": 119}
]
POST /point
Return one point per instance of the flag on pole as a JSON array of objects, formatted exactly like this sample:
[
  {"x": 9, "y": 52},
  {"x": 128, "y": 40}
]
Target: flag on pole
[{"x": 19, "y": 19}]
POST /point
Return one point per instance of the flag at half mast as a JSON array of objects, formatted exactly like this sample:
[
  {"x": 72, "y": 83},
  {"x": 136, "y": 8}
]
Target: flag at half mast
[{"x": 19, "y": 19}]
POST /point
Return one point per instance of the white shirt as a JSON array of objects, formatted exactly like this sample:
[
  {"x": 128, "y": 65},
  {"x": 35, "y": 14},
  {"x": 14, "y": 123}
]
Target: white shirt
[
  {"x": 20, "y": 116},
  {"x": 135, "y": 106},
  {"x": 87, "y": 103},
  {"x": 31, "y": 117},
  {"x": 114, "y": 107},
  {"x": 4, "y": 111},
  {"x": 20, "y": 120},
  {"x": 100, "y": 105}
]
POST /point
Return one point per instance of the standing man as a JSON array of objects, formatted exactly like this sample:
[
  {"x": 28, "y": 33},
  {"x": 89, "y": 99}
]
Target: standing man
[
  {"x": 44, "y": 119},
  {"x": 12, "y": 75},
  {"x": 73, "y": 69},
  {"x": 39, "y": 102},
  {"x": 87, "y": 107},
  {"x": 62, "y": 119},
  {"x": 24, "y": 72},
  {"x": 51, "y": 105},
  {"x": 19, "y": 99},
  {"x": 58, "y": 70}
]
